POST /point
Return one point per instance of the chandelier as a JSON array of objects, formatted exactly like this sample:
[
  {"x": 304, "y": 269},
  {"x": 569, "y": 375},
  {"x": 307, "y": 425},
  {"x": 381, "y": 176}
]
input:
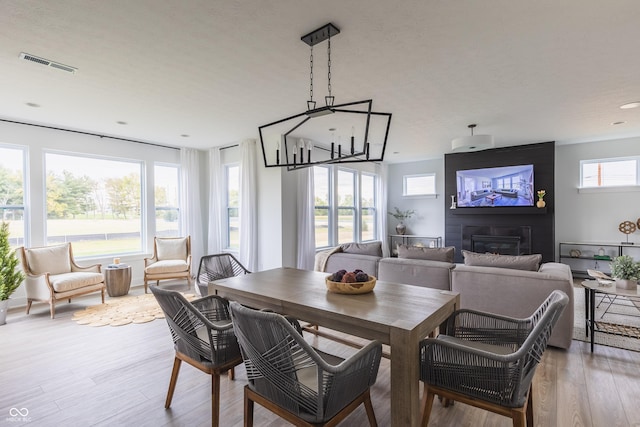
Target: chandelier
[{"x": 344, "y": 133}]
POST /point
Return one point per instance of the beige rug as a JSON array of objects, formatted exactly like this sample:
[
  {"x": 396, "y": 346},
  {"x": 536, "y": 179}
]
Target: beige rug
[
  {"x": 624, "y": 312},
  {"x": 122, "y": 311}
]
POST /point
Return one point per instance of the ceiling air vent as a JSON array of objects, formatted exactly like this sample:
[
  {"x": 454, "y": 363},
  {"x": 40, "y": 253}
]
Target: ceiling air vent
[{"x": 46, "y": 62}]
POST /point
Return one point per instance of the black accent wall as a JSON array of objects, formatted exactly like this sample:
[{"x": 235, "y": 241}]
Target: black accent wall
[{"x": 541, "y": 220}]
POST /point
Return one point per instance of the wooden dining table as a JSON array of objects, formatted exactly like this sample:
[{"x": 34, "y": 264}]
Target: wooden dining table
[{"x": 395, "y": 314}]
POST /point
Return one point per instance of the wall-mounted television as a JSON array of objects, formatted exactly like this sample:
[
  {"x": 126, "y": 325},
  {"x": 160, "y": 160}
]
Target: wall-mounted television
[{"x": 497, "y": 186}]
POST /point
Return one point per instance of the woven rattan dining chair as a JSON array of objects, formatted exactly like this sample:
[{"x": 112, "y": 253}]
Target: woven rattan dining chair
[
  {"x": 303, "y": 385},
  {"x": 203, "y": 337},
  {"x": 215, "y": 267},
  {"x": 488, "y": 361}
]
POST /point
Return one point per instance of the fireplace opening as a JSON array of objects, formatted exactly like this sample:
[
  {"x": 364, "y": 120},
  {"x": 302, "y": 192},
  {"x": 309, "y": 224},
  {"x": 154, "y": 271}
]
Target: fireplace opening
[{"x": 503, "y": 245}]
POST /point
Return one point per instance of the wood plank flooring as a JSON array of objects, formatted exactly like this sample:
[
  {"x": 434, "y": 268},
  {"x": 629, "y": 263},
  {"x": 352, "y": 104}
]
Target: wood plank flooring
[{"x": 74, "y": 375}]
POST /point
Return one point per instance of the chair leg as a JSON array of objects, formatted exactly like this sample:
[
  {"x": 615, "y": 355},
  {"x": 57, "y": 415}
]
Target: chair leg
[
  {"x": 427, "y": 405},
  {"x": 519, "y": 419},
  {"x": 52, "y": 308},
  {"x": 29, "y": 302},
  {"x": 232, "y": 374},
  {"x": 248, "y": 409},
  {"x": 369, "y": 408},
  {"x": 172, "y": 383},
  {"x": 215, "y": 399},
  {"x": 529, "y": 410},
  {"x": 102, "y": 292},
  {"x": 145, "y": 286}
]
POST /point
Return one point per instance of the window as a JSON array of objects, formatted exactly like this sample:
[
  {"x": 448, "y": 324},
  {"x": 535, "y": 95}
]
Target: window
[
  {"x": 419, "y": 185},
  {"x": 94, "y": 203},
  {"x": 232, "y": 199},
  {"x": 609, "y": 172},
  {"x": 167, "y": 200},
  {"x": 345, "y": 206},
  {"x": 12, "y": 193}
]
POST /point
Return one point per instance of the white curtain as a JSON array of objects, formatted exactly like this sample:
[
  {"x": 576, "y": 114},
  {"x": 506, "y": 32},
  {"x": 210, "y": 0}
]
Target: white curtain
[
  {"x": 306, "y": 220},
  {"x": 216, "y": 192},
  {"x": 248, "y": 205},
  {"x": 381, "y": 170},
  {"x": 191, "y": 203}
]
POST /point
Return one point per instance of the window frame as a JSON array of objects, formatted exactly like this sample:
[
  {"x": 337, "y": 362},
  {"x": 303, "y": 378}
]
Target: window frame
[
  {"x": 178, "y": 208},
  {"x": 227, "y": 209},
  {"x": 405, "y": 185},
  {"x": 25, "y": 196},
  {"x": 609, "y": 188}
]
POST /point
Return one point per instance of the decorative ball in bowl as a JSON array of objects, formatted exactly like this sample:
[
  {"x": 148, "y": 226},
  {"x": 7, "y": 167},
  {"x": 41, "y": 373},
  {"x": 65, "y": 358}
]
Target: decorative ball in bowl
[{"x": 355, "y": 282}]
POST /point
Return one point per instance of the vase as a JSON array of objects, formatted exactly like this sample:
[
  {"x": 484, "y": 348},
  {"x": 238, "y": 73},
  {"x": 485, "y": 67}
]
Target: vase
[
  {"x": 401, "y": 228},
  {"x": 4, "y": 305},
  {"x": 626, "y": 284},
  {"x": 541, "y": 203}
]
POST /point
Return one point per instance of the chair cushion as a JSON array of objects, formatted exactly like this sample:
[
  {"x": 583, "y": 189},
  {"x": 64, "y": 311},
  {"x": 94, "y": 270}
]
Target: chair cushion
[
  {"x": 171, "y": 248},
  {"x": 71, "y": 281},
  {"x": 431, "y": 254},
  {"x": 520, "y": 262},
  {"x": 49, "y": 259},
  {"x": 168, "y": 266}
]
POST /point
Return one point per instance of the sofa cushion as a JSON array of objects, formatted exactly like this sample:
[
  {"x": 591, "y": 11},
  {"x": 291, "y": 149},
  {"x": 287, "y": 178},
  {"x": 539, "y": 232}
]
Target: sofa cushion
[
  {"x": 519, "y": 262},
  {"x": 171, "y": 248},
  {"x": 49, "y": 259},
  {"x": 370, "y": 248},
  {"x": 432, "y": 254}
]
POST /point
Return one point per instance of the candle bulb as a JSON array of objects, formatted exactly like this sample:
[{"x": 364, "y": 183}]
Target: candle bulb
[
  {"x": 333, "y": 149},
  {"x": 339, "y": 150},
  {"x": 278, "y": 153},
  {"x": 352, "y": 141},
  {"x": 294, "y": 157},
  {"x": 309, "y": 147},
  {"x": 367, "y": 150},
  {"x": 301, "y": 153}
]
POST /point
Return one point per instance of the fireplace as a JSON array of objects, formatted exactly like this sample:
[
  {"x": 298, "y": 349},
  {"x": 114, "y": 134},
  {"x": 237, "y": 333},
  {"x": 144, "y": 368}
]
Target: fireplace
[
  {"x": 504, "y": 240},
  {"x": 503, "y": 245}
]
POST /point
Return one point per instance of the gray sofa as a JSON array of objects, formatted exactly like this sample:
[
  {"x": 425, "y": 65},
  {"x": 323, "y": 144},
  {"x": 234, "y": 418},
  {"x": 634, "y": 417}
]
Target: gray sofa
[{"x": 512, "y": 286}]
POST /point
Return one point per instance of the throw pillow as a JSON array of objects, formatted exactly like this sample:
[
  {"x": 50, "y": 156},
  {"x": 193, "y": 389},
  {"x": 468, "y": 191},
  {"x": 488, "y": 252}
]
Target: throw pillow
[
  {"x": 371, "y": 248},
  {"x": 432, "y": 254},
  {"x": 516, "y": 262}
]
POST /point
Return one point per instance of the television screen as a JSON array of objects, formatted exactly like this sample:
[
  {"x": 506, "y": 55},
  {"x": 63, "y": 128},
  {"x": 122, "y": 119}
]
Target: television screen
[{"x": 499, "y": 186}]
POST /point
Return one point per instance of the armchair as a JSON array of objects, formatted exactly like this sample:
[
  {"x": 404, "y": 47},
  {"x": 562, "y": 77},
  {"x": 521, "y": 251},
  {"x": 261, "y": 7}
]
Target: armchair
[
  {"x": 171, "y": 260},
  {"x": 215, "y": 267},
  {"x": 488, "y": 360},
  {"x": 203, "y": 337},
  {"x": 295, "y": 381},
  {"x": 52, "y": 275}
]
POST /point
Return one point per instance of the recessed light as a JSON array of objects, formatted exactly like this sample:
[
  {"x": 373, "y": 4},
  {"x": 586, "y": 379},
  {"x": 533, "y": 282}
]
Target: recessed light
[
  {"x": 120, "y": 122},
  {"x": 33, "y": 104},
  {"x": 396, "y": 152},
  {"x": 630, "y": 105},
  {"x": 617, "y": 123},
  {"x": 184, "y": 135}
]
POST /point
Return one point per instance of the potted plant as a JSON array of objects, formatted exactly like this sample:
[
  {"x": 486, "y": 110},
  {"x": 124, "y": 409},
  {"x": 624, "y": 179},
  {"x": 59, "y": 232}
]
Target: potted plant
[
  {"x": 10, "y": 276},
  {"x": 401, "y": 216},
  {"x": 626, "y": 272}
]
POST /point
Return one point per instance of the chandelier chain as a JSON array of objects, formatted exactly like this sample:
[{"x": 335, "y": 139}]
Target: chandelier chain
[
  {"x": 329, "y": 64},
  {"x": 311, "y": 75}
]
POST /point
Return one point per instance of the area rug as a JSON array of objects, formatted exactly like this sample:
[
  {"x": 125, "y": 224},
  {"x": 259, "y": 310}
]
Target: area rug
[
  {"x": 123, "y": 311},
  {"x": 624, "y": 312}
]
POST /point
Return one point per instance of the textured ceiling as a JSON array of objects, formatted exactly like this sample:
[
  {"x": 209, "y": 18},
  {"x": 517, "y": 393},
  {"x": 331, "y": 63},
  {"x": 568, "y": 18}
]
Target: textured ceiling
[{"x": 524, "y": 71}]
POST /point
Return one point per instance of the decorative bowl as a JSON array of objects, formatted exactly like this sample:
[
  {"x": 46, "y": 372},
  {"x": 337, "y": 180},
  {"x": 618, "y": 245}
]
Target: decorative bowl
[{"x": 351, "y": 288}]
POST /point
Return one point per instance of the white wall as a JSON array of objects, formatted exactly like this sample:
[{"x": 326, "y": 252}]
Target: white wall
[
  {"x": 593, "y": 216},
  {"x": 429, "y": 217},
  {"x": 38, "y": 141}
]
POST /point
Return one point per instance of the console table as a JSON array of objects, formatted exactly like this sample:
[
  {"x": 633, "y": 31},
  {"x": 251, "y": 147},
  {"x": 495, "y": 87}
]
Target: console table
[
  {"x": 413, "y": 240},
  {"x": 581, "y": 256},
  {"x": 591, "y": 288}
]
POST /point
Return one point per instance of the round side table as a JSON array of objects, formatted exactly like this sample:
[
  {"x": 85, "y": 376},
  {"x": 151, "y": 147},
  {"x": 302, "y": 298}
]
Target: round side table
[{"x": 117, "y": 280}]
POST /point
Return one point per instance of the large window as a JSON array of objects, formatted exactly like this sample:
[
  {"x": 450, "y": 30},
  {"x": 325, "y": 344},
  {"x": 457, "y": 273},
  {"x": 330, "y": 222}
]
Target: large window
[
  {"x": 609, "y": 172},
  {"x": 345, "y": 206},
  {"x": 12, "y": 192},
  {"x": 232, "y": 199},
  {"x": 167, "y": 200},
  {"x": 94, "y": 203}
]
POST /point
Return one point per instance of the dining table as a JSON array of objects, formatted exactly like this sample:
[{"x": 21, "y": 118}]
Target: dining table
[{"x": 395, "y": 314}]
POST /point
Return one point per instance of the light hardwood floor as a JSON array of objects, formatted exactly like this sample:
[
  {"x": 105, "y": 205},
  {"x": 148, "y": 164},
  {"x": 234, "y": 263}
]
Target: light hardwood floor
[{"x": 66, "y": 374}]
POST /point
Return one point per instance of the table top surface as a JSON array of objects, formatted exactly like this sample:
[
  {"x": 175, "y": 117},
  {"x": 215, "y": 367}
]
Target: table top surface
[
  {"x": 390, "y": 304},
  {"x": 609, "y": 289}
]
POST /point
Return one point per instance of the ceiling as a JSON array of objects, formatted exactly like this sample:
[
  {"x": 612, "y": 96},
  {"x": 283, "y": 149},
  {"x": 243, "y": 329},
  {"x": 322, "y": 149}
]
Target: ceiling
[{"x": 204, "y": 73}]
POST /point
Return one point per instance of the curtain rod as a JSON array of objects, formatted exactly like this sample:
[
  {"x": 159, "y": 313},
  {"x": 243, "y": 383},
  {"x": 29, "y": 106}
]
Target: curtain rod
[{"x": 90, "y": 134}]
